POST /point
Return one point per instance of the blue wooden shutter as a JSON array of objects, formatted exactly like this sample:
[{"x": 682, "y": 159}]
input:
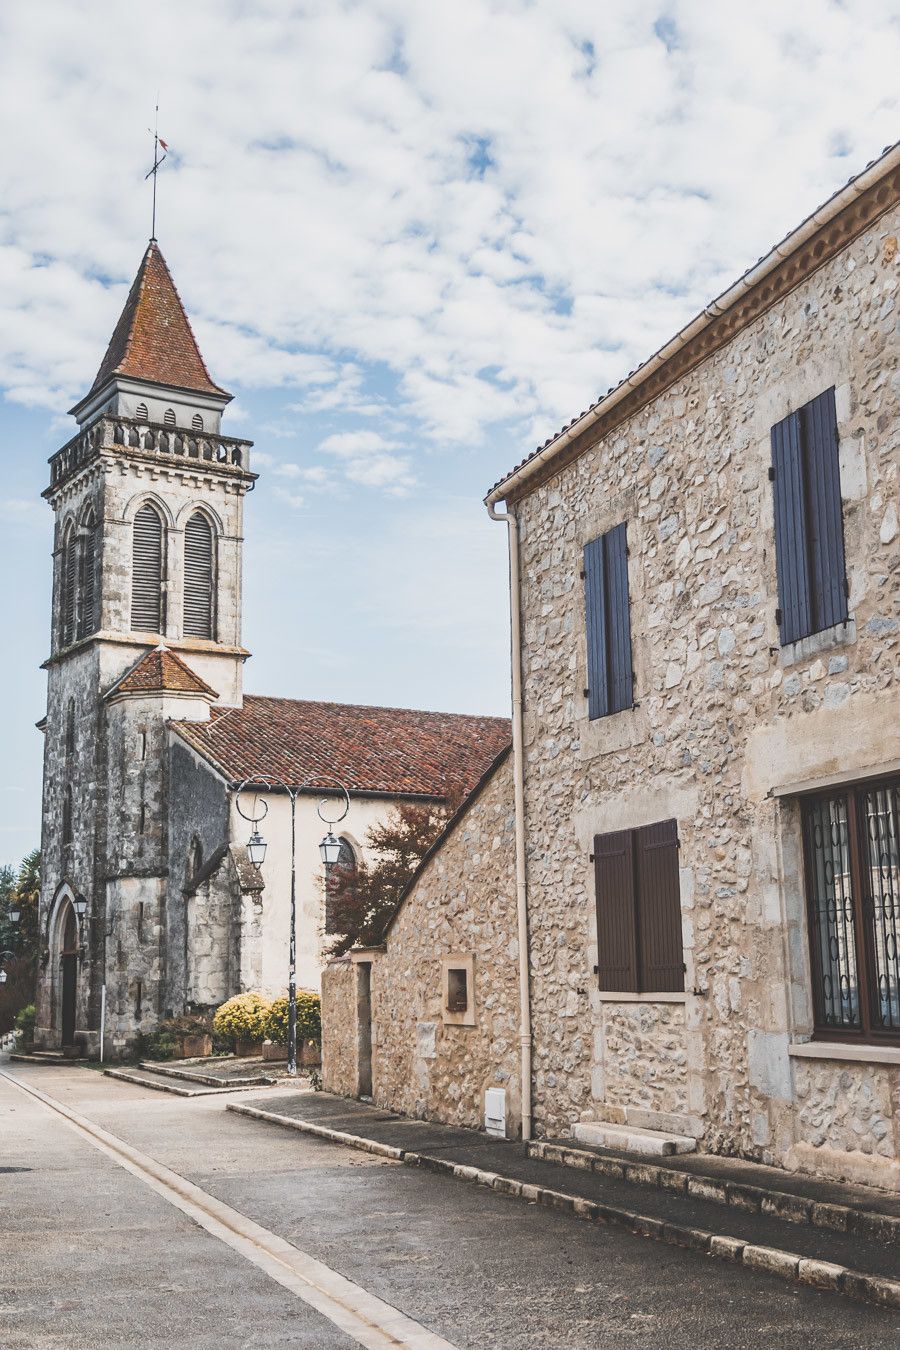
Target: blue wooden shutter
[
  {"x": 794, "y": 617},
  {"x": 617, "y": 968},
  {"x": 608, "y": 624},
  {"x": 596, "y": 624},
  {"x": 661, "y": 951},
  {"x": 825, "y": 525},
  {"x": 619, "y": 620}
]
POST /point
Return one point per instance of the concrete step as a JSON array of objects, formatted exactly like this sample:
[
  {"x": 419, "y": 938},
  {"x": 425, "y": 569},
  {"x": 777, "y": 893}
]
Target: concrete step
[
  {"x": 631, "y": 1139},
  {"x": 196, "y": 1075},
  {"x": 44, "y": 1057},
  {"x": 144, "y": 1078}
]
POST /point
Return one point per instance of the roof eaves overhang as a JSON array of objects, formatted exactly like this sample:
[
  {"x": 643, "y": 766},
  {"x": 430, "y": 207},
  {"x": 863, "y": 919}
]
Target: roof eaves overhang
[{"x": 518, "y": 483}]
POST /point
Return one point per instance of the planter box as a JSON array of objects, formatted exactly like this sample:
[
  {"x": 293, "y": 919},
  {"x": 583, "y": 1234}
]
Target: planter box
[
  {"x": 248, "y": 1049},
  {"x": 273, "y": 1053},
  {"x": 198, "y": 1046}
]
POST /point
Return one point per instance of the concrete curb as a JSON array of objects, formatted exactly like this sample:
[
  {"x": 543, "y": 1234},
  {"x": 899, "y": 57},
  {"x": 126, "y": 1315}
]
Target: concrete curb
[
  {"x": 769, "y": 1260},
  {"x": 171, "y": 1088},
  {"x": 735, "y": 1194}
]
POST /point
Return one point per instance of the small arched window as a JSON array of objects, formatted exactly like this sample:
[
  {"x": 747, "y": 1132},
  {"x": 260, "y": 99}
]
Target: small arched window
[
  {"x": 197, "y": 422},
  {"x": 147, "y": 571},
  {"x": 67, "y": 817},
  {"x": 199, "y": 579},
  {"x": 141, "y": 413},
  {"x": 87, "y": 581},
  {"x": 69, "y": 586},
  {"x": 346, "y": 859},
  {"x": 195, "y": 860},
  {"x": 169, "y": 417},
  {"x": 70, "y": 727}
]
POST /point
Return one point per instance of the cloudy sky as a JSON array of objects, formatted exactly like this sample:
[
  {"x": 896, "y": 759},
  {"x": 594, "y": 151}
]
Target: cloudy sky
[{"x": 414, "y": 238}]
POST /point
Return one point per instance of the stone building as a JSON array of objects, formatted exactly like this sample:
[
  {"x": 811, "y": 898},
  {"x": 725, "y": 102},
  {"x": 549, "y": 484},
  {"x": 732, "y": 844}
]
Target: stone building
[
  {"x": 148, "y": 733},
  {"x": 706, "y": 728}
]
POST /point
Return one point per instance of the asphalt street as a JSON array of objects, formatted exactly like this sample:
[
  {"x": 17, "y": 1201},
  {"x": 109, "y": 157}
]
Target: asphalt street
[{"x": 93, "y": 1255}]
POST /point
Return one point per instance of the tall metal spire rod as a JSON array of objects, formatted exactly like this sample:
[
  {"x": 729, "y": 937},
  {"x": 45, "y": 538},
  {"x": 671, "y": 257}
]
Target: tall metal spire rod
[{"x": 157, "y": 160}]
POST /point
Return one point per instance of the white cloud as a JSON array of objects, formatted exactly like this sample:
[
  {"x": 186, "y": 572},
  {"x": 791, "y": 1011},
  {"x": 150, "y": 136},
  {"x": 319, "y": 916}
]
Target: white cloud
[{"x": 503, "y": 207}]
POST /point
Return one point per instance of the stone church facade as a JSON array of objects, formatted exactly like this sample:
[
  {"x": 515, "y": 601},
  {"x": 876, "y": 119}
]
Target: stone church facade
[{"x": 149, "y": 903}]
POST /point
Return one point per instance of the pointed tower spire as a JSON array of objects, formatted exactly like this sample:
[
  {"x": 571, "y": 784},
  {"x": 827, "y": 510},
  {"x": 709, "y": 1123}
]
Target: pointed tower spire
[{"x": 153, "y": 340}]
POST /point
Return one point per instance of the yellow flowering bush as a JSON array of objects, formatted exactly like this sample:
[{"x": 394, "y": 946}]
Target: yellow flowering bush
[
  {"x": 309, "y": 1021},
  {"x": 243, "y": 1017}
]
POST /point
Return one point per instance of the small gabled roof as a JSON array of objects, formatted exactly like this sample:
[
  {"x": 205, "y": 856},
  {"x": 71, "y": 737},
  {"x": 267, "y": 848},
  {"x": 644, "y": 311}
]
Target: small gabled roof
[
  {"x": 383, "y": 752},
  {"x": 161, "y": 672},
  {"x": 153, "y": 339}
]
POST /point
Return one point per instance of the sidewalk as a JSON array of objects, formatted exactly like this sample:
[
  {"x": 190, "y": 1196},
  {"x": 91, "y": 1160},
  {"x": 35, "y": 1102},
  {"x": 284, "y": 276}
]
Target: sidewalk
[{"x": 857, "y": 1254}]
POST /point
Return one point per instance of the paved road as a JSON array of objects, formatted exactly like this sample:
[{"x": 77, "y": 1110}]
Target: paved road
[{"x": 92, "y": 1255}]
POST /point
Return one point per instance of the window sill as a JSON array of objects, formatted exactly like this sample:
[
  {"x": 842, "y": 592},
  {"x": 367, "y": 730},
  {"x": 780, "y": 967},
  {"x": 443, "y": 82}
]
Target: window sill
[
  {"x": 847, "y": 1051},
  {"x": 825, "y": 640},
  {"x": 613, "y": 996}
]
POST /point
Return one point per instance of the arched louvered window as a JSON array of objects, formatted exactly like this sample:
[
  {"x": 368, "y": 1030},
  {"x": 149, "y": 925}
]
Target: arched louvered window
[
  {"x": 67, "y": 816},
  {"x": 199, "y": 568},
  {"x": 70, "y": 727},
  {"x": 141, "y": 413},
  {"x": 197, "y": 422},
  {"x": 87, "y": 581},
  {"x": 147, "y": 571},
  {"x": 169, "y": 417},
  {"x": 69, "y": 584}
]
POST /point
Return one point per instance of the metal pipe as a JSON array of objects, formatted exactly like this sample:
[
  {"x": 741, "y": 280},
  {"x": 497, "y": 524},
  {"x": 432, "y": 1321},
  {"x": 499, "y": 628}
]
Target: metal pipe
[
  {"x": 515, "y": 636},
  {"x": 102, "y": 1018}
]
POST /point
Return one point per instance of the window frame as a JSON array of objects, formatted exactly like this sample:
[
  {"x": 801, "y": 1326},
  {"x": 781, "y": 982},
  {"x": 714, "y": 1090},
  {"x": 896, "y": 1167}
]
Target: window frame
[
  {"x": 609, "y": 667},
  {"x": 867, "y": 1033},
  {"x": 633, "y": 845}
]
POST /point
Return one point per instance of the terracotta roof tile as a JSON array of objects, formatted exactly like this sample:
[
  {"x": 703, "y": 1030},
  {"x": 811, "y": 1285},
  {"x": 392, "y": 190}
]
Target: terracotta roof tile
[
  {"x": 153, "y": 338},
  {"x": 376, "y": 750},
  {"x": 161, "y": 671}
]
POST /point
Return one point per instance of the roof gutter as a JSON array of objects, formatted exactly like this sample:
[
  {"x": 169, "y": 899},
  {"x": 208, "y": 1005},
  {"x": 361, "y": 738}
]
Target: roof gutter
[{"x": 794, "y": 241}]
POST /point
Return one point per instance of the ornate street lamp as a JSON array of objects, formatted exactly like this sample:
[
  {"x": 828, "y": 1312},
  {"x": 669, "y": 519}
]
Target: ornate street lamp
[
  {"x": 256, "y": 851},
  {"x": 14, "y": 914}
]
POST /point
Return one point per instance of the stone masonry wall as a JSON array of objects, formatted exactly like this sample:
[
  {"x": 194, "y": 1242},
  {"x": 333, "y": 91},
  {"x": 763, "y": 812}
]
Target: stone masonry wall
[
  {"x": 340, "y": 1068},
  {"x": 724, "y": 719},
  {"x": 463, "y": 904}
]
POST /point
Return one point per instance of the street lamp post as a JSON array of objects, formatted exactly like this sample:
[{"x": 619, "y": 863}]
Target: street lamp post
[{"x": 329, "y": 850}]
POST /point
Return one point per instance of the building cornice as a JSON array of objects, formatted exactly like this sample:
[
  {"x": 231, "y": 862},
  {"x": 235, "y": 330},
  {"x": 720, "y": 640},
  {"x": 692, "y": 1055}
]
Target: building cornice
[
  {"x": 196, "y": 646},
  {"x": 813, "y": 244}
]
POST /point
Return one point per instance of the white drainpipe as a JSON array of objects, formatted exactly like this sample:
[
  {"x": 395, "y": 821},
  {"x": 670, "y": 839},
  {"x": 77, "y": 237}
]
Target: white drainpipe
[{"x": 519, "y": 796}]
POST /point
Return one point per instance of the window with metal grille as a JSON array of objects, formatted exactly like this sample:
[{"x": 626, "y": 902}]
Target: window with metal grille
[
  {"x": 639, "y": 941},
  {"x": 608, "y": 624},
  {"x": 141, "y": 412},
  {"x": 809, "y": 527},
  {"x": 147, "y": 571},
  {"x": 197, "y": 422},
  {"x": 850, "y": 842},
  {"x": 69, "y": 584},
  {"x": 87, "y": 599},
  {"x": 199, "y": 569},
  {"x": 169, "y": 417}
]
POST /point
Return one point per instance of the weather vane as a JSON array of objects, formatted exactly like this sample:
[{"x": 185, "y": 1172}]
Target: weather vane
[{"x": 157, "y": 160}]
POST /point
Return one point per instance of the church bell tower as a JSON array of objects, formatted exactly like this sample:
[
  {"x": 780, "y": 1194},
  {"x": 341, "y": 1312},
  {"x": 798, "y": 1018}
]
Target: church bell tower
[{"x": 146, "y": 628}]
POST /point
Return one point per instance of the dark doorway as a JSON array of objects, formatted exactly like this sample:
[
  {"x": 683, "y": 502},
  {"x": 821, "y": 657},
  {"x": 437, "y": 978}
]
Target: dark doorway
[
  {"x": 364, "y": 1027},
  {"x": 69, "y": 976}
]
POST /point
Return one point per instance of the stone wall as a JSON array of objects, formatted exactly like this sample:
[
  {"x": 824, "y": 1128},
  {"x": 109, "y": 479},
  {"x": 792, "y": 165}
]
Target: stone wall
[
  {"x": 725, "y": 719},
  {"x": 463, "y": 904},
  {"x": 340, "y": 1028}
]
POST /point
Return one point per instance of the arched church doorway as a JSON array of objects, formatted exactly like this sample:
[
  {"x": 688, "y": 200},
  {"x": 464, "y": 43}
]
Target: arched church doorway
[{"x": 69, "y": 981}]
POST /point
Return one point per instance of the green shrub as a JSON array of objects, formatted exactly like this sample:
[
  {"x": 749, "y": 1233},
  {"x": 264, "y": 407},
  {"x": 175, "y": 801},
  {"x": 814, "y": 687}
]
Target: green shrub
[
  {"x": 25, "y": 1020},
  {"x": 309, "y": 1021},
  {"x": 243, "y": 1018},
  {"x": 158, "y": 1044}
]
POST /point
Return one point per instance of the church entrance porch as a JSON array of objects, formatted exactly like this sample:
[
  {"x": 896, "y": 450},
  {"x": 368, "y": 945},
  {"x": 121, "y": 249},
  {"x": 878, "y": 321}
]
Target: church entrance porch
[{"x": 68, "y": 977}]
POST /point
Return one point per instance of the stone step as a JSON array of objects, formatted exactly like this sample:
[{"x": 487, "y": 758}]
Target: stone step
[
  {"x": 192, "y": 1075},
  {"x": 144, "y": 1078},
  {"x": 631, "y": 1139}
]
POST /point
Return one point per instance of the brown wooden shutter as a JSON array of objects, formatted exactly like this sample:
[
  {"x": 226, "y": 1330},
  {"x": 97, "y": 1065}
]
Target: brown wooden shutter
[
  {"x": 69, "y": 585},
  {"x": 661, "y": 953},
  {"x": 616, "y": 933},
  {"x": 87, "y": 619},
  {"x": 146, "y": 572},
  {"x": 825, "y": 525},
  {"x": 198, "y": 577}
]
